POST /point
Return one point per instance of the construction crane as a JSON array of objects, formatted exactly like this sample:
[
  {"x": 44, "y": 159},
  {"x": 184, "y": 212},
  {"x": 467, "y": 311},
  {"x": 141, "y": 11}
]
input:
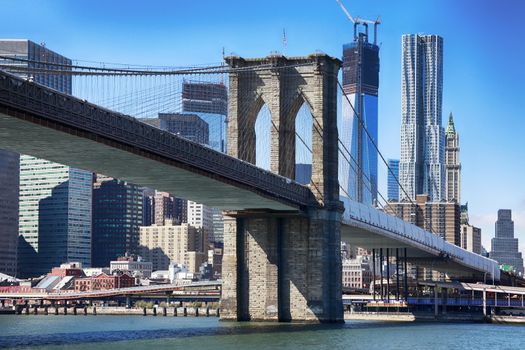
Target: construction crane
[{"x": 357, "y": 21}]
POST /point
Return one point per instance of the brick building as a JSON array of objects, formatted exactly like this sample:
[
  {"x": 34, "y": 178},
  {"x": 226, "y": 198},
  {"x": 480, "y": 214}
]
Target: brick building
[{"x": 104, "y": 282}]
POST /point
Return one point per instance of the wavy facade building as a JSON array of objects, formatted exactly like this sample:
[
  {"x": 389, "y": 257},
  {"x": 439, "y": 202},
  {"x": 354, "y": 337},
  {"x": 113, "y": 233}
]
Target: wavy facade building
[{"x": 421, "y": 167}]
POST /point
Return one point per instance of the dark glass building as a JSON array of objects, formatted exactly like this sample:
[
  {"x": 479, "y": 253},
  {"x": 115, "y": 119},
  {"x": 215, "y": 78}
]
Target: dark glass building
[
  {"x": 117, "y": 216},
  {"x": 9, "y": 186}
]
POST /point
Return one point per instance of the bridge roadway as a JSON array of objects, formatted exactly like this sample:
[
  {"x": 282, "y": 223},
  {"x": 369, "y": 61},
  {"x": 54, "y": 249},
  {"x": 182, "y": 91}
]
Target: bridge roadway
[
  {"x": 42, "y": 122},
  {"x": 370, "y": 228}
]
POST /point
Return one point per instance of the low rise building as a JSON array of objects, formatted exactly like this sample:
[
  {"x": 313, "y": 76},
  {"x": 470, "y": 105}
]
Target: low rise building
[
  {"x": 356, "y": 273},
  {"x": 134, "y": 266},
  {"x": 67, "y": 269},
  {"x": 104, "y": 282}
]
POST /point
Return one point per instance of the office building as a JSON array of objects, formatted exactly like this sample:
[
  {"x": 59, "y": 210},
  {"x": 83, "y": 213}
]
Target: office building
[
  {"x": 9, "y": 186},
  {"x": 36, "y": 55},
  {"x": 210, "y": 102},
  {"x": 421, "y": 167},
  {"x": 117, "y": 216},
  {"x": 55, "y": 216},
  {"x": 393, "y": 178},
  {"x": 170, "y": 243},
  {"x": 440, "y": 218},
  {"x": 189, "y": 126},
  {"x": 200, "y": 216},
  {"x": 452, "y": 163},
  {"x": 360, "y": 111},
  {"x": 471, "y": 238},
  {"x": 148, "y": 206},
  {"x": 505, "y": 248}
]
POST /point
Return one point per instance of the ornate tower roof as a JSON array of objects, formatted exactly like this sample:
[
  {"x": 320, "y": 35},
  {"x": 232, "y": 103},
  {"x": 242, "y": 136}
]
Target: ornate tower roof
[{"x": 451, "y": 130}]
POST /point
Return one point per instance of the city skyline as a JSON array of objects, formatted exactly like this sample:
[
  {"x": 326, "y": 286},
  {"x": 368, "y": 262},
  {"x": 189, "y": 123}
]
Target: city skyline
[{"x": 468, "y": 90}]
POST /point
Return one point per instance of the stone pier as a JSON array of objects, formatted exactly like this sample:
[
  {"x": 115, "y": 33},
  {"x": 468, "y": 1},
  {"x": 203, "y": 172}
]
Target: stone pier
[
  {"x": 285, "y": 266},
  {"x": 282, "y": 268}
]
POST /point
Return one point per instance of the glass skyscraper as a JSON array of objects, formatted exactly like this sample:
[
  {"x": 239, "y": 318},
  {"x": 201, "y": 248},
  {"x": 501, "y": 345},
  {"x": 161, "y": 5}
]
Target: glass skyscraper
[
  {"x": 55, "y": 216},
  {"x": 54, "y": 199},
  {"x": 421, "y": 167},
  {"x": 393, "y": 186},
  {"x": 360, "y": 85}
]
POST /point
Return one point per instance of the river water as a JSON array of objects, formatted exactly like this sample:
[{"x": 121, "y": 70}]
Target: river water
[{"x": 152, "y": 333}]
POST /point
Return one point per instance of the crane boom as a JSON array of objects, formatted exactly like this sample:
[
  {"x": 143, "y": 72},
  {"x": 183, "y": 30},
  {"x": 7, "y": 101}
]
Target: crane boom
[
  {"x": 347, "y": 13},
  {"x": 357, "y": 21}
]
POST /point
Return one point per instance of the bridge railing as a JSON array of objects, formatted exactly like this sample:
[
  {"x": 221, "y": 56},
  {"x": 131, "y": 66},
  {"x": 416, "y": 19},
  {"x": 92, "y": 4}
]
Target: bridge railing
[
  {"x": 26, "y": 96},
  {"x": 414, "y": 235}
]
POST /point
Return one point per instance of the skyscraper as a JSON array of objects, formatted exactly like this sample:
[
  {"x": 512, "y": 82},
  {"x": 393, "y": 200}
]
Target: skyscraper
[
  {"x": 117, "y": 216},
  {"x": 421, "y": 167},
  {"x": 505, "y": 248},
  {"x": 55, "y": 216},
  {"x": 393, "y": 186},
  {"x": 359, "y": 105},
  {"x": 452, "y": 164},
  {"x": 9, "y": 185},
  {"x": 36, "y": 55},
  {"x": 55, "y": 200}
]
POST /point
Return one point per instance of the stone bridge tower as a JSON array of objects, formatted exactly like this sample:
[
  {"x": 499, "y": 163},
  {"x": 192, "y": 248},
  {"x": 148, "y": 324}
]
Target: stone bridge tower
[{"x": 285, "y": 266}]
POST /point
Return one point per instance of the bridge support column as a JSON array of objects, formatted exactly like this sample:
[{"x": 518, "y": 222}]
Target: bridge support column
[
  {"x": 484, "y": 302},
  {"x": 436, "y": 297},
  {"x": 282, "y": 269}
]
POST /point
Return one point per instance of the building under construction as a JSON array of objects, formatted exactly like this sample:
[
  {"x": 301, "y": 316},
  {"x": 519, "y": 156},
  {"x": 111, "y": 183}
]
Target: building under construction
[{"x": 360, "y": 112}]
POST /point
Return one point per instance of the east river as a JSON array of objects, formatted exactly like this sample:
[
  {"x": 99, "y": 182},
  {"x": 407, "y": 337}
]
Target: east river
[{"x": 152, "y": 333}]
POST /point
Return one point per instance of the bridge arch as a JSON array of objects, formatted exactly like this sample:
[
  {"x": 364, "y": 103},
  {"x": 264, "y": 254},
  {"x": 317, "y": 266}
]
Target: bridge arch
[{"x": 285, "y": 84}]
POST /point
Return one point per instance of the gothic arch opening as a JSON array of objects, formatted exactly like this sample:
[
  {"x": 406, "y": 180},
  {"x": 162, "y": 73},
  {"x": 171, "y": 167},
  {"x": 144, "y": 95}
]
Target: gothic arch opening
[
  {"x": 263, "y": 137},
  {"x": 303, "y": 144}
]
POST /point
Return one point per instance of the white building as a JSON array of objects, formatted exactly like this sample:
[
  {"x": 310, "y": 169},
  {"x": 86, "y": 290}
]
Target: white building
[
  {"x": 356, "y": 273},
  {"x": 135, "y": 267},
  {"x": 201, "y": 216}
]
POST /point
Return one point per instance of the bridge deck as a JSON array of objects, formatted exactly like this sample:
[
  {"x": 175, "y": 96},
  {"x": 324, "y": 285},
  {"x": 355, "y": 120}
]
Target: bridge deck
[
  {"x": 42, "y": 122},
  {"x": 371, "y": 228}
]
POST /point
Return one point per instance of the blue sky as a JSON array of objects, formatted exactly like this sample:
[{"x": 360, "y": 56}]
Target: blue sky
[{"x": 483, "y": 62}]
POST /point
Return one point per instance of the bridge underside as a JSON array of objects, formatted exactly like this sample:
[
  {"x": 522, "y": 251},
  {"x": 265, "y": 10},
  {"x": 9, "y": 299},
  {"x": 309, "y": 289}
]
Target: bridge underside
[
  {"x": 126, "y": 163},
  {"x": 416, "y": 253}
]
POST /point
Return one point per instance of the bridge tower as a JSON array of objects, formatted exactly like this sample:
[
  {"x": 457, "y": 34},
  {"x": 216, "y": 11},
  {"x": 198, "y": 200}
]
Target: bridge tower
[{"x": 285, "y": 266}]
